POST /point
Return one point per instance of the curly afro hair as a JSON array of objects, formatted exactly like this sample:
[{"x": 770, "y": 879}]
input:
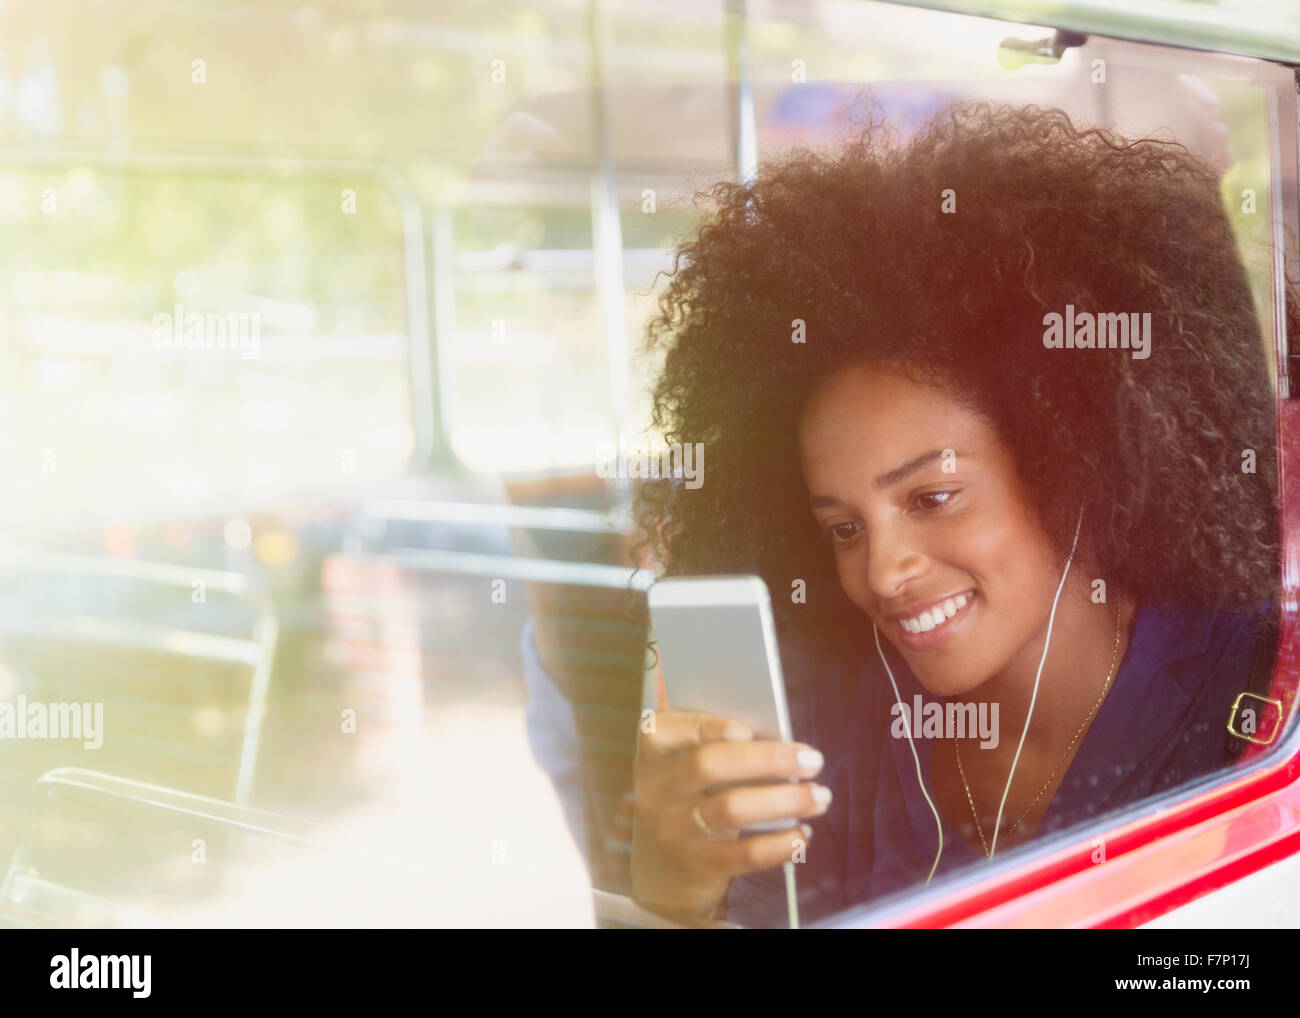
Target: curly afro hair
[{"x": 855, "y": 245}]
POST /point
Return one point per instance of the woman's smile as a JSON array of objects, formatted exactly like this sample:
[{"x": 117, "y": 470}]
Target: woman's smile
[{"x": 931, "y": 624}]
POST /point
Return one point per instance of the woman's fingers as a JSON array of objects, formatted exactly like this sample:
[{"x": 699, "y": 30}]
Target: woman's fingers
[
  {"x": 719, "y": 763},
  {"x": 740, "y": 807},
  {"x": 684, "y": 752},
  {"x": 756, "y": 852},
  {"x": 672, "y": 731}
]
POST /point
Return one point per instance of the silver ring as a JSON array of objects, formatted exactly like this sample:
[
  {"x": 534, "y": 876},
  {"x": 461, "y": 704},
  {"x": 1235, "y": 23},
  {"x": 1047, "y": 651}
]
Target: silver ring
[{"x": 699, "y": 821}]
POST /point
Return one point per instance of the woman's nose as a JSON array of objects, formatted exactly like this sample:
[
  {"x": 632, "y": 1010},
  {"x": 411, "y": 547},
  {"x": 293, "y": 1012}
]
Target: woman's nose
[{"x": 893, "y": 562}]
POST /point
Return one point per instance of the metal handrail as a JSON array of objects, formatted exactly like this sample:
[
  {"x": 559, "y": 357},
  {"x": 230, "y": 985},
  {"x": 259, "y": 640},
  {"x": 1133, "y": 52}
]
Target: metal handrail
[
  {"x": 258, "y": 653},
  {"x": 500, "y": 514},
  {"x": 1218, "y": 27},
  {"x": 236, "y": 816},
  {"x": 423, "y": 389},
  {"x": 587, "y": 574}
]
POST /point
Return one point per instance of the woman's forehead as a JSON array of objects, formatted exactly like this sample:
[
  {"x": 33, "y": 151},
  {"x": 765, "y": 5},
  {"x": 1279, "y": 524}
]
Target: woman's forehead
[
  {"x": 877, "y": 427},
  {"x": 883, "y": 399}
]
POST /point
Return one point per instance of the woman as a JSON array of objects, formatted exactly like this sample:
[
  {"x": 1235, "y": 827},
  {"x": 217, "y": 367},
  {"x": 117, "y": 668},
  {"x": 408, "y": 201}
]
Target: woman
[{"x": 990, "y": 413}]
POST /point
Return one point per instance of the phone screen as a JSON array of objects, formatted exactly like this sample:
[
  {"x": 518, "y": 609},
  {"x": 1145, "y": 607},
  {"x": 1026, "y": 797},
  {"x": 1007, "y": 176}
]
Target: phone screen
[{"x": 714, "y": 660}]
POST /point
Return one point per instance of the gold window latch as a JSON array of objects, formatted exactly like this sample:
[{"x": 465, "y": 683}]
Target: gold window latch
[{"x": 1249, "y": 735}]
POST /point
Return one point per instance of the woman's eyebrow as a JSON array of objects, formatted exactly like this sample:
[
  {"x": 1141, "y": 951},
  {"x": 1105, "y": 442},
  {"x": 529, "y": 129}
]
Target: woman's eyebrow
[
  {"x": 912, "y": 466},
  {"x": 892, "y": 477}
]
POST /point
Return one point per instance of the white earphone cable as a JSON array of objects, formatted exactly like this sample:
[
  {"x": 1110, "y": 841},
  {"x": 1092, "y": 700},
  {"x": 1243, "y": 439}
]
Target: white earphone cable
[
  {"x": 907, "y": 724},
  {"x": 1047, "y": 642}
]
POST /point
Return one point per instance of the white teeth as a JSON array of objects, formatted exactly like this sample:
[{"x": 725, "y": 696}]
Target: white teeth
[{"x": 936, "y": 616}]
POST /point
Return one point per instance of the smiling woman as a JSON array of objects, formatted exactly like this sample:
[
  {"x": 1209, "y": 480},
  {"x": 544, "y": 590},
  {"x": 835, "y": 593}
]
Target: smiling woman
[{"x": 1083, "y": 545}]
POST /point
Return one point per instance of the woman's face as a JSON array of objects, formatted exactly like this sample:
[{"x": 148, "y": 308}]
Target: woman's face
[{"x": 922, "y": 505}]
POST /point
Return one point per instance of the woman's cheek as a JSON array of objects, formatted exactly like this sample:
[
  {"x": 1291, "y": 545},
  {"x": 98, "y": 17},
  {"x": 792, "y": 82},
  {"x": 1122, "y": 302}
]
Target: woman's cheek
[{"x": 985, "y": 551}]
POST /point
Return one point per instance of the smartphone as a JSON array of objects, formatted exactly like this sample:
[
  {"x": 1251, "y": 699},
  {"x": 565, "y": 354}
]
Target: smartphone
[{"x": 716, "y": 645}]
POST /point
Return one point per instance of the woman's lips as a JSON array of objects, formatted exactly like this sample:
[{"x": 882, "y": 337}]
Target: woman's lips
[{"x": 912, "y": 632}]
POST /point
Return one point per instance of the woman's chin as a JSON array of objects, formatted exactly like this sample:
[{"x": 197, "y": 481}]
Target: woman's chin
[
  {"x": 941, "y": 672},
  {"x": 943, "y": 681},
  {"x": 947, "y": 686}
]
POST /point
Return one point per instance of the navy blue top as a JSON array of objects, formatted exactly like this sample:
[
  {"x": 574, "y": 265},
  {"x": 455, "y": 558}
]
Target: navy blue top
[{"x": 1162, "y": 724}]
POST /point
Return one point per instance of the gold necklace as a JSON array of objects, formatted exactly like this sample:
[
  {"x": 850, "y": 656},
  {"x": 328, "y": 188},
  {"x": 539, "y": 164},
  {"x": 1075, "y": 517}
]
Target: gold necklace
[{"x": 1047, "y": 784}]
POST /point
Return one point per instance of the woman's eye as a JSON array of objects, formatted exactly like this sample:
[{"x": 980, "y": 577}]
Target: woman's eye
[
  {"x": 934, "y": 499},
  {"x": 841, "y": 532}
]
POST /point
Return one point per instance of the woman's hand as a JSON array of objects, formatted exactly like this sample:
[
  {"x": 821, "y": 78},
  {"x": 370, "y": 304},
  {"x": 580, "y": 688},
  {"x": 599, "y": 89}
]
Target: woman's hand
[{"x": 677, "y": 865}]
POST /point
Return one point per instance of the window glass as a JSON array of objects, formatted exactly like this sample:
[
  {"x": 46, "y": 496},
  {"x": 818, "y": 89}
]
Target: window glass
[
  {"x": 360, "y": 365},
  {"x": 179, "y": 337}
]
